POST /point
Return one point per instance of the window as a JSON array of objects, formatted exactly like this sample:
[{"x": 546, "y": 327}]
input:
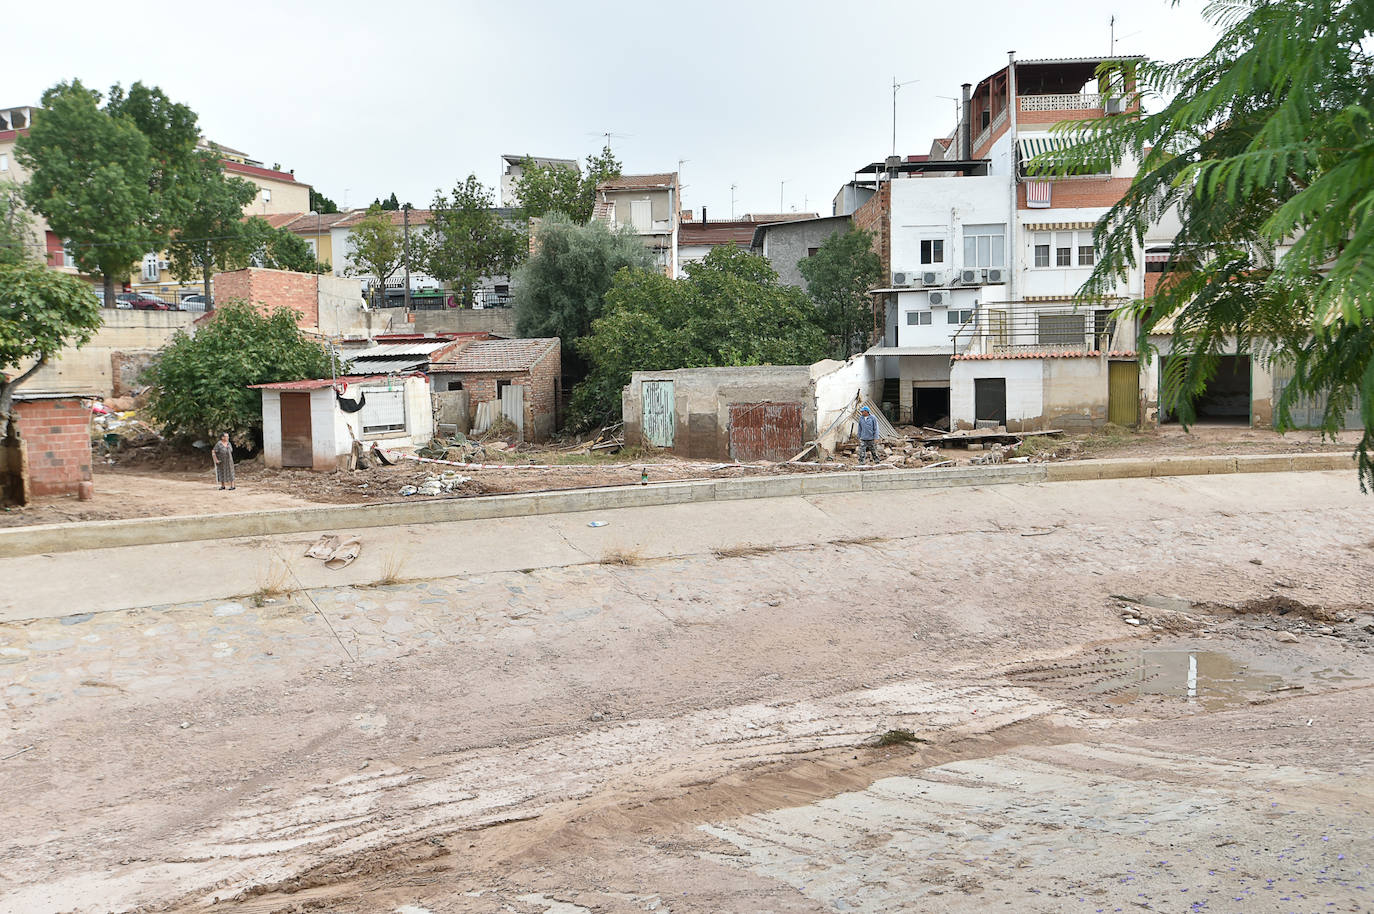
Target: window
[
  {"x": 266, "y": 195},
  {"x": 1062, "y": 329},
  {"x": 500, "y": 386},
  {"x": 959, "y": 317},
  {"x": 1071, "y": 249},
  {"x": 933, "y": 250},
  {"x": 384, "y": 411},
  {"x": 641, "y": 216},
  {"x": 917, "y": 318},
  {"x": 985, "y": 246},
  {"x": 1063, "y": 249},
  {"x": 812, "y": 252},
  {"x": 455, "y": 385}
]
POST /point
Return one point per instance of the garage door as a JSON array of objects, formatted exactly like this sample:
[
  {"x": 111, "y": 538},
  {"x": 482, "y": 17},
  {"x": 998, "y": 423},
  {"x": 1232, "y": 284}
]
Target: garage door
[
  {"x": 765, "y": 431},
  {"x": 1307, "y": 412}
]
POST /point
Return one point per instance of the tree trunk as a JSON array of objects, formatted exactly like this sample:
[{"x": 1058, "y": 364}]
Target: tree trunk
[
  {"x": 107, "y": 280},
  {"x": 205, "y": 278}
]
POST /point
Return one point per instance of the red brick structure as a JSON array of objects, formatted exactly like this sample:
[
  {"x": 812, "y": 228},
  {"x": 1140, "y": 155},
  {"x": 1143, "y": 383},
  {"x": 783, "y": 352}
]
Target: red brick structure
[
  {"x": 270, "y": 289},
  {"x": 481, "y": 368},
  {"x": 56, "y": 431}
]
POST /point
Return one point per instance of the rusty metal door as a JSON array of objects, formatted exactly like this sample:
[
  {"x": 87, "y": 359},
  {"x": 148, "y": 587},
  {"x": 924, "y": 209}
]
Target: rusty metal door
[
  {"x": 658, "y": 412},
  {"x": 765, "y": 431},
  {"x": 296, "y": 447},
  {"x": 1123, "y": 393}
]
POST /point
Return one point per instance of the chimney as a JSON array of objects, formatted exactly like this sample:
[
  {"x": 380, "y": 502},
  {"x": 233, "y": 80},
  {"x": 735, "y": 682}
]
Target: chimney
[
  {"x": 703, "y": 215},
  {"x": 965, "y": 140}
]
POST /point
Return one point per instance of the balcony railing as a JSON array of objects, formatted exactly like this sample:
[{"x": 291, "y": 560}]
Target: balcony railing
[
  {"x": 996, "y": 122},
  {"x": 1010, "y": 329},
  {"x": 1079, "y": 101}
]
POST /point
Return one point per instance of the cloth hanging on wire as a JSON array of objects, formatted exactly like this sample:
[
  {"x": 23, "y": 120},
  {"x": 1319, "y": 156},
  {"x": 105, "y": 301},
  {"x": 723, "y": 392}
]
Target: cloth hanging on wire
[{"x": 351, "y": 406}]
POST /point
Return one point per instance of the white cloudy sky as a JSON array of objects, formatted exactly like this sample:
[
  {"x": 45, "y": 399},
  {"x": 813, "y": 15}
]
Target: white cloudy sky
[{"x": 363, "y": 98}]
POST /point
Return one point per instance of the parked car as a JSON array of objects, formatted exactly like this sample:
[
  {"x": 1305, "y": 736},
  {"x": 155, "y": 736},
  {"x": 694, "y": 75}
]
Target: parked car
[
  {"x": 147, "y": 301},
  {"x": 193, "y": 302},
  {"x": 125, "y": 300}
]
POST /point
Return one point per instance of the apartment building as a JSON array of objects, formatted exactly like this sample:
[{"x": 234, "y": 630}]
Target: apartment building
[
  {"x": 650, "y": 205},
  {"x": 978, "y": 323}
]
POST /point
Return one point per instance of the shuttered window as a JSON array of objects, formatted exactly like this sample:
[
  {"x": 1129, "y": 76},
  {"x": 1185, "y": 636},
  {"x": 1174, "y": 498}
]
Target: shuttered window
[{"x": 384, "y": 411}]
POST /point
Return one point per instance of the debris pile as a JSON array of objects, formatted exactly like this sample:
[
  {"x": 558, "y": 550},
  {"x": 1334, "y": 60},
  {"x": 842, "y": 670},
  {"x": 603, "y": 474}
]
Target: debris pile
[{"x": 447, "y": 482}]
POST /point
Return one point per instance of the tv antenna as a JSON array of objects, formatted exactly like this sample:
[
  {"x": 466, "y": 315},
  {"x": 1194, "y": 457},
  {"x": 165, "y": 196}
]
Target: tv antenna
[
  {"x": 607, "y": 135},
  {"x": 732, "y": 201}
]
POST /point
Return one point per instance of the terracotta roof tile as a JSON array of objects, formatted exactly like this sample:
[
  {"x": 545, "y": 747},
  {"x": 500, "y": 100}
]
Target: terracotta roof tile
[
  {"x": 417, "y": 217},
  {"x": 737, "y": 231},
  {"x": 231, "y": 165},
  {"x": 638, "y": 182},
  {"x": 498, "y": 355}
]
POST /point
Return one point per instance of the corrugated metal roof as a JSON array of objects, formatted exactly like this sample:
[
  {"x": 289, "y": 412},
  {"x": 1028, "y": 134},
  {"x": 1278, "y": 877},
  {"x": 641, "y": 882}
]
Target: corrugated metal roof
[
  {"x": 394, "y": 350},
  {"x": 391, "y": 366},
  {"x": 320, "y": 383}
]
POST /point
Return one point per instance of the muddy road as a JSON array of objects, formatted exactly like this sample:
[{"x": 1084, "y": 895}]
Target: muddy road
[{"x": 1106, "y": 707}]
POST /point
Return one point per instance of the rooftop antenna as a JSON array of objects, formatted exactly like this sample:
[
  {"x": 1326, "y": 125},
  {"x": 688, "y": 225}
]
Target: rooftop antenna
[
  {"x": 608, "y": 135},
  {"x": 732, "y": 201},
  {"x": 895, "y": 86},
  {"x": 781, "y": 184}
]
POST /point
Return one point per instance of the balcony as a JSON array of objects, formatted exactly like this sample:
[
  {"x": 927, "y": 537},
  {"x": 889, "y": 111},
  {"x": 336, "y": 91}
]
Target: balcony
[
  {"x": 1017, "y": 329},
  {"x": 1078, "y": 101}
]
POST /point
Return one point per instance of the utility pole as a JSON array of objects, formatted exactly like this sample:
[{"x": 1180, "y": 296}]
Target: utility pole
[
  {"x": 895, "y": 86},
  {"x": 732, "y": 201},
  {"x": 781, "y": 184},
  {"x": 405, "y": 238}
]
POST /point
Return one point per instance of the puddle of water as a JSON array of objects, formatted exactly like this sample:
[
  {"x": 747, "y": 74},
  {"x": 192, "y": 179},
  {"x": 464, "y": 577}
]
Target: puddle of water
[{"x": 1209, "y": 678}]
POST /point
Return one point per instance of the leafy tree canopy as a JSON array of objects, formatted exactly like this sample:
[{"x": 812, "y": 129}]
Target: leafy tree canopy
[
  {"x": 41, "y": 311},
  {"x": 729, "y": 310},
  {"x": 838, "y": 277},
  {"x": 466, "y": 239},
  {"x": 1264, "y": 149},
  {"x": 559, "y": 289},
  {"x": 276, "y": 249},
  {"x": 93, "y": 178},
  {"x": 18, "y": 242},
  {"x": 322, "y": 204},
  {"x": 200, "y": 383},
  {"x": 214, "y": 236},
  {"x": 544, "y": 189},
  {"x": 390, "y": 204},
  {"x": 378, "y": 248}
]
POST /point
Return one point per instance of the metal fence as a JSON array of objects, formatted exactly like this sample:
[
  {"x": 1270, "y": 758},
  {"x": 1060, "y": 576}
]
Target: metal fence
[{"x": 1015, "y": 328}]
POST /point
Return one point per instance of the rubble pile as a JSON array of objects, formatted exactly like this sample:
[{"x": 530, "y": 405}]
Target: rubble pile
[{"x": 436, "y": 484}]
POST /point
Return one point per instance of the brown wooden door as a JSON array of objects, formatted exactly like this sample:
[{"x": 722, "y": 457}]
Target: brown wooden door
[
  {"x": 765, "y": 431},
  {"x": 296, "y": 449}
]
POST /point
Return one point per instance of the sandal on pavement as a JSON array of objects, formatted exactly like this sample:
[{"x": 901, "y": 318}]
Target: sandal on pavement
[
  {"x": 324, "y": 547},
  {"x": 345, "y": 554}
]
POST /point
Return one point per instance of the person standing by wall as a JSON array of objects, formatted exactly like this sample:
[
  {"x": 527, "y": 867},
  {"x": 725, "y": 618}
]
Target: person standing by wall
[
  {"x": 868, "y": 435},
  {"x": 223, "y": 455}
]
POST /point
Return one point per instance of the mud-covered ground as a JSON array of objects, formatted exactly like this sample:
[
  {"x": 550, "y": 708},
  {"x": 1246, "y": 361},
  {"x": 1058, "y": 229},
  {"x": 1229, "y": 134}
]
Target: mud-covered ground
[{"x": 1088, "y": 707}]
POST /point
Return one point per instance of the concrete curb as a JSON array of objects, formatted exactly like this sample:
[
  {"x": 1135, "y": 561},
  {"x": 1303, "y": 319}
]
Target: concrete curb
[{"x": 152, "y": 530}]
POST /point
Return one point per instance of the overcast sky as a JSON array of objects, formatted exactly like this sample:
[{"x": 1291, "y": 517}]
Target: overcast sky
[{"x": 366, "y": 98}]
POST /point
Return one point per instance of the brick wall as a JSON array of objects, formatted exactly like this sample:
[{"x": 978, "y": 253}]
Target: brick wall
[
  {"x": 269, "y": 289},
  {"x": 57, "y": 440},
  {"x": 1072, "y": 193},
  {"x": 541, "y": 383},
  {"x": 876, "y": 216}
]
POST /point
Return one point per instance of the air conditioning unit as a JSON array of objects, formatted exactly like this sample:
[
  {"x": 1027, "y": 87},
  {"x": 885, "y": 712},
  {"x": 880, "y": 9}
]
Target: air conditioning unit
[
  {"x": 932, "y": 278},
  {"x": 901, "y": 279},
  {"x": 996, "y": 275},
  {"x": 937, "y": 300},
  {"x": 1115, "y": 106},
  {"x": 970, "y": 277}
]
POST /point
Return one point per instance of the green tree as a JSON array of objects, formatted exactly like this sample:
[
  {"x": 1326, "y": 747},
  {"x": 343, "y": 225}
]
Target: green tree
[
  {"x": 91, "y": 176},
  {"x": 1264, "y": 147},
  {"x": 200, "y": 384},
  {"x": 261, "y": 245},
  {"x": 729, "y": 310},
  {"x": 17, "y": 240},
  {"x": 555, "y": 188},
  {"x": 214, "y": 236},
  {"x": 41, "y": 312},
  {"x": 378, "y": 248},
  {"x": 172, "y": 133},
  {"x": 319, "y": 203},
  {"x": 390, "y": 204},
  {"x": 838, "y": 277},
  {"x": 559, "y": 289},
  {"x": 467, "y": 240}
]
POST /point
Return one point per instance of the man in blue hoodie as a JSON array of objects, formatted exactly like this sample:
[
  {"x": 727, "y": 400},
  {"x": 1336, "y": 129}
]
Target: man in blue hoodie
[{"x": 868, "y": 435}]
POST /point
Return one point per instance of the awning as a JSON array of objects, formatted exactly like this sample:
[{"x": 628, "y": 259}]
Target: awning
[{"x": 1051, "y": 147}]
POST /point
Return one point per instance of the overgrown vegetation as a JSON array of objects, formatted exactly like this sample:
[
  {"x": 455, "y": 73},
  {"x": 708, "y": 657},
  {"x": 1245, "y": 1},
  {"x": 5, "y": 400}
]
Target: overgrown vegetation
[
  {"x": 1264, "y": 148},
  {"x": 200, "y": 384},
  {"x": 729, "y": 310},
  {"x": 554, "y": 188},
  {"x": 838, "y": 277}
]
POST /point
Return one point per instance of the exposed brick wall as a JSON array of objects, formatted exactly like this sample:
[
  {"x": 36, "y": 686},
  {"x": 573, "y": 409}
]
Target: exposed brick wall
[
  {"x": 541, "y": 383},
  {"x": 269, "y": 289},
  {"x": 57, "y": 439},
  {"x": 1071, "y": 193},
  {"x": 1033, "y": 118},
  {"x": 876, "y": 216}
]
